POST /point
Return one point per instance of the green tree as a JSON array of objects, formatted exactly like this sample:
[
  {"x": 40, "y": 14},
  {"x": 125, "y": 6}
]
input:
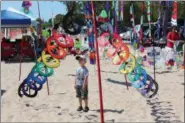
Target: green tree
[
  {"x": 100, "y": 5},
  {"x": 58, "y": 18}
]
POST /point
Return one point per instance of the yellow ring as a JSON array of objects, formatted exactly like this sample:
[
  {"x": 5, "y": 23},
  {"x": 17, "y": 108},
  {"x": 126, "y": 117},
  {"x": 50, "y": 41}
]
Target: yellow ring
[
  {"x": 131, "y": 64},
  {"x": 53, "y": 62}
]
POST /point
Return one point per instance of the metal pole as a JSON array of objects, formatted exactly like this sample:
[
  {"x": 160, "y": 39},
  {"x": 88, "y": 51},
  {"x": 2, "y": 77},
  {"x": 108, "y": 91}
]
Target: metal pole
[
  {"x": 98, "y": 64},
  {"x": 154, "y": 53},
  {"x": 40, "y": 33},
  {"x": 40, "y": 29}
]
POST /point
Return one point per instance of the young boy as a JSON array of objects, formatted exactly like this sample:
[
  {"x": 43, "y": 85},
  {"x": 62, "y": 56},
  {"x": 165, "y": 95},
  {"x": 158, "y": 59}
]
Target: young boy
[{"x": 81, "y": 83}]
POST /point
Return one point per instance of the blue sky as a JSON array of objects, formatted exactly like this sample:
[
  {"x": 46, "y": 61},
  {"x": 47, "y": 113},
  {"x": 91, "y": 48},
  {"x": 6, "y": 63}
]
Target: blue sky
[{"x": 46, "y": 8}]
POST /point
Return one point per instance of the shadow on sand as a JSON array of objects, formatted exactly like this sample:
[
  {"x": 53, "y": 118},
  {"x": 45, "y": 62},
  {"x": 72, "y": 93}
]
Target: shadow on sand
[
  {"x": 109, "y": 72},
  {"x": 2, "y": 92},
  {"x": 162, "y": 111},
  {"x": 163, "y": 72},
  {"x": 110, "y": 110},
  {"x": 118, "y": 82},
  {"x": 73, "y": 75}
]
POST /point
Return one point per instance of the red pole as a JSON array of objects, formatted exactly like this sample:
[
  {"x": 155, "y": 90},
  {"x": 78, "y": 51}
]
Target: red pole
[{"x": 98, "y": 64}]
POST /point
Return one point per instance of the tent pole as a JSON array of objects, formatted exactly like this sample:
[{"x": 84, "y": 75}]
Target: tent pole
[
  {"x": 20, "y": 66},
  {"x": 98, "y": 64},
  {"x": 20, "y": 56}
]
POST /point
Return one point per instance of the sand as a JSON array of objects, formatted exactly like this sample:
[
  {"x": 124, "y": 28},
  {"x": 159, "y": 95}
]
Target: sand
[{"x": 120, "y": 104}]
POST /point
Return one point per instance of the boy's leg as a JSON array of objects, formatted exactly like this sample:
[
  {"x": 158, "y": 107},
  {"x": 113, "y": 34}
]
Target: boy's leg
[
  {"x": 80, "y": 101},
  {"x": 78, "y": 95},
  {"x": 86, "y": 102},
  {"x": 85, "y": 98},
  {"x": 86, "y": 109}
]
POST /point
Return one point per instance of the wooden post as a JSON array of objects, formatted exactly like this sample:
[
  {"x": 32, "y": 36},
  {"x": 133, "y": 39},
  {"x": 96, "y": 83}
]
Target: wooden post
[
  {"x": 48, "y": 86},
  {"x": 126, "y": 81}
]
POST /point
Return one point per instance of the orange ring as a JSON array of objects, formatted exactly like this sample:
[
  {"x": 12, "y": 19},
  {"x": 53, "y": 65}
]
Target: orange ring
[
  {"x": 121, "y": 48},
  {"x": 124, "y": 52},
  {"x": 60, "y": 53},
  {"x": 67, "y": 41},
  {"x": 117, "y": 60},
  {"x": 116, "y": 41},
  {"x": 61, "y": 41}
]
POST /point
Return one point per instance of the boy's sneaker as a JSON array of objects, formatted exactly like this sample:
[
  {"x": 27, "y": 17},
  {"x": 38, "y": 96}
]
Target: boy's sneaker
[
  {"x": 86, "y": 109},
  {"x": 80, "y": 108}
]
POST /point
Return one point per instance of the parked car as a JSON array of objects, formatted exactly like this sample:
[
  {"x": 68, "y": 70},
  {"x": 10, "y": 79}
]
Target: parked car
[{"x": 145, "y": 29}]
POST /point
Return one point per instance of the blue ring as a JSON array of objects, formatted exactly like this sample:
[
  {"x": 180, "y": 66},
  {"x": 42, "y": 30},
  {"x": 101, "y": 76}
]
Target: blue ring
[
  {"x": 140, "y": 72},
  {"x": 36, "y": 79}
]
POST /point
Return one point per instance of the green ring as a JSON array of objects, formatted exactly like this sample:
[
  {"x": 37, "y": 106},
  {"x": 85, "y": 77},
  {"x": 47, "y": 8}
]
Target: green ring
[{"x": 46, "y": 72}]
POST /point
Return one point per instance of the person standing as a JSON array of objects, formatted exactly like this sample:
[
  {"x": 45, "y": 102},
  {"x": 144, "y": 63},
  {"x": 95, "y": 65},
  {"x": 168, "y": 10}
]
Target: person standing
[
  {"x": 81, "y": 83},
  {"x": 172, "y": 37}
]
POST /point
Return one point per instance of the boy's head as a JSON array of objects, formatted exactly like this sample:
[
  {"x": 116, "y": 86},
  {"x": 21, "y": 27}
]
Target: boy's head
[
  {"x": 174, "y": 29},
  {"x": 81, "y": 59},
  {"x": 77, "y": 39}
]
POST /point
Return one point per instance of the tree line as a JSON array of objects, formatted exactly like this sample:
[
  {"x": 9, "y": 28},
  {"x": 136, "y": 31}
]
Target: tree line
[{"x": 100, "y": 5}]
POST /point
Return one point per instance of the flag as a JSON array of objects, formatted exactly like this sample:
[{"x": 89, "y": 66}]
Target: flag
[
  {"x": 107, "y": 6},
  {"x": 122, "y": 11},
  {"x": 184, "y": 28},
  {"x": 159, "y": 20},
  {"x": 149, "y": 16},
  {"x": 134, "y": 34},
  {"x": 174, "y": 14},
  {"x": 132, "y": 15},
  {"x": 142, "y": 16},
  {"x": 141, "y": 22},
  {"x": 165, "y": 18},
  {"x": 117, "y": 10}
]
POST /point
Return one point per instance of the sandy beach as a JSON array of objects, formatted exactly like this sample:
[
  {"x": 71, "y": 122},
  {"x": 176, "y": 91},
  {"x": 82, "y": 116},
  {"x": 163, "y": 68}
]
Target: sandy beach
[{"x": 120, "y": 104}]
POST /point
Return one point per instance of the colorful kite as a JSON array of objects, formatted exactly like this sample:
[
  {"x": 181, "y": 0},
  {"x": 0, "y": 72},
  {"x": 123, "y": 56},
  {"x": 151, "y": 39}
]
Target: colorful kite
[{"x": 26, "y": 4}]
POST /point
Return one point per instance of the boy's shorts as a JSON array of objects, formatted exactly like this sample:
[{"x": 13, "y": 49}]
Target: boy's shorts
[{"x": 80, "y": 93}]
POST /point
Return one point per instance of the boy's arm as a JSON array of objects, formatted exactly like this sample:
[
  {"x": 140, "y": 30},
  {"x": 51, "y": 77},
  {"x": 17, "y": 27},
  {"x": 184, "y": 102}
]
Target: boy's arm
[
  {"x": 75, "y": 84},
  {"x": 86, "y": 79},
  {"x": 75, "y": 81}
]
